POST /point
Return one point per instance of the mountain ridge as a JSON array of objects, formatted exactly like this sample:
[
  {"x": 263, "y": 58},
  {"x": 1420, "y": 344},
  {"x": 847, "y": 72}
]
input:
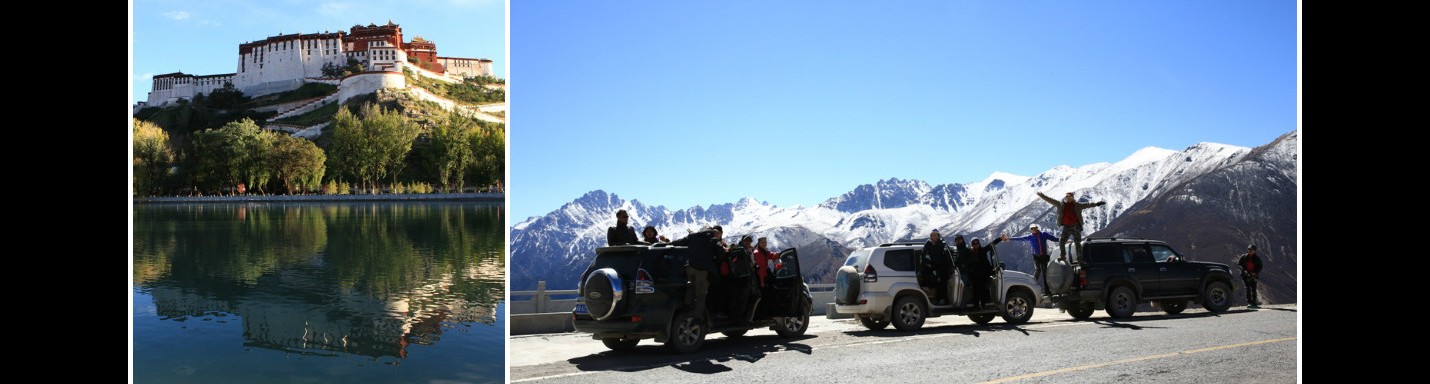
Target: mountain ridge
[{"x": 906, "y": 209}]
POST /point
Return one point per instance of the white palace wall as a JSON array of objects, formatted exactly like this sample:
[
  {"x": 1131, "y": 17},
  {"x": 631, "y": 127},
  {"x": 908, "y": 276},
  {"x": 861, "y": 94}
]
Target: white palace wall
[
  {"x": 281, "y": 66},
  {"x": 368, "y": 82},
  {"x": 170, "y": 89}
]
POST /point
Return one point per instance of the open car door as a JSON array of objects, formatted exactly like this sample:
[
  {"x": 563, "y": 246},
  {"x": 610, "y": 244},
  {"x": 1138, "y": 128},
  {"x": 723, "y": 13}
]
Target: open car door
[{"x": 787, "y": 290}]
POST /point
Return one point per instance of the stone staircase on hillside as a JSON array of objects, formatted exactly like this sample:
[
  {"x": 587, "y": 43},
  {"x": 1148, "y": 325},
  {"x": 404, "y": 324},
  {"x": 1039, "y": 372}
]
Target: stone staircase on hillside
[
  {"x": 306, "y": 107},
  {"x": 303, "y": 131}
]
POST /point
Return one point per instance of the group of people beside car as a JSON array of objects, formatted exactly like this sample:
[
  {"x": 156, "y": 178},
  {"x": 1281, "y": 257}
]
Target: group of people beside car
[
  {"x": 740, "y": 272},
  {"x": 971, "y": 258},
  {"x": 745, "y": 269},
  {"x": 974, "y": 261}
]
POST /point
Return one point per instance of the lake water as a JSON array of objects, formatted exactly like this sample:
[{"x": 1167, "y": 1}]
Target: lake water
[{"x": 319, "y": 292}]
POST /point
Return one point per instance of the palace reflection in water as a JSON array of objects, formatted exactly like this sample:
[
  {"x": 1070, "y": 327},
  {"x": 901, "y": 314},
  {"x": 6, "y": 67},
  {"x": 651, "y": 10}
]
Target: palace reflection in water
[{"x": 340, "y": 284}]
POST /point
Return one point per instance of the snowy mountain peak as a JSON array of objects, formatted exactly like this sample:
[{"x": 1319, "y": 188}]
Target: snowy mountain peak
[
  {"x": 993, "y": 183},
  {"x": 747, "y": 202},
  {"x": 889, "y": 193},
  {"x": 598, "y": 198},
  {"x": 1144, "y": 156},
  {"x": 1006, "y": 177},
  {"x": 558, "y": 246}
]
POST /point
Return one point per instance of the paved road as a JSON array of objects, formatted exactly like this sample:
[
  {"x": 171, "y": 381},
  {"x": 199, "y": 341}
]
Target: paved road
[{"x": 1195, "y": 346}]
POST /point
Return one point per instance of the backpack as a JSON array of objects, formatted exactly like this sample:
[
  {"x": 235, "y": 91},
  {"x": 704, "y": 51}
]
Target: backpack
[{"x": 739, "y": 262}]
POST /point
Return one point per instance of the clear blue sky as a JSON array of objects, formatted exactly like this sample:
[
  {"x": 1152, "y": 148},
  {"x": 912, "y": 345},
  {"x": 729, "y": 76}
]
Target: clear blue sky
[
  {"x": 793, "y": 102},
  {"x": 202, "y": 37}
]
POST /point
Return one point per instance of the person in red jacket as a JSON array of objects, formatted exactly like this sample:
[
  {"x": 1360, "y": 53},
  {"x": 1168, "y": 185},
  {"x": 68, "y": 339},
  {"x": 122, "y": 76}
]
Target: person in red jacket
[
  {"x": 766, "y": 262},
  {"x": 1070, "y": 219},
  {"x": 1250, "y": 265}
]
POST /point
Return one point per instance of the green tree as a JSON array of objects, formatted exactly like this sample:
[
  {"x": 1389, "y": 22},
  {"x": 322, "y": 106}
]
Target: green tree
[
  {"x": 489, "y": 155},
  {"x": 450, "y": 150},
  {"x": 257, "y": 146},
  {"x": 152, "y": 157},
  {"x": 354, "y": 66},
  {"x": 237, "y": 152},
  {"x": 332, "y": 70},
  {"x": 226, "y": 97},
  {"x": 371, "y": 147},
  {"x": 298, "y": 163}
]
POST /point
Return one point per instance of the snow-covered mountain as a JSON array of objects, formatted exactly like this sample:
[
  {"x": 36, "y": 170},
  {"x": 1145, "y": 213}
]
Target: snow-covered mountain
[
  {"x": 558, "y": 246},
  {"x": 1214, "y": 215}
]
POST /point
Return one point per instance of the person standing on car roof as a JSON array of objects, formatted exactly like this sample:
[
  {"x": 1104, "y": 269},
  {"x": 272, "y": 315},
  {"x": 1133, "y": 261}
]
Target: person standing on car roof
[
  {"x": 937, "y": 252},
  {"x": 1070, "y": 219},
  {"x": 1250, "y": 265},
  {"x": 981, "y": 269},
  {"x": 1038, "y": 242},
  {"x": 621, "y": 234}
]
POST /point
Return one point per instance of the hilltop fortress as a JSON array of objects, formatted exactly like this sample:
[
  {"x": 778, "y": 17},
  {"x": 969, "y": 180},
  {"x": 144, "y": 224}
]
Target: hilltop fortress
[{"x": 284, "y": 62}]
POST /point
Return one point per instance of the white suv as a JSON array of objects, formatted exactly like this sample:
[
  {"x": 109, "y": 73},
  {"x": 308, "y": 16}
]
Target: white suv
[{"x": 882, "y": 284}]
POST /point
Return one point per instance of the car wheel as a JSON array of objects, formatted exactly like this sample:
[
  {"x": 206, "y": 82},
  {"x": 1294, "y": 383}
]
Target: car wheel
[
  {"x": 1122, "y": 302},
  {"x": 909, "y": 313},
  {"x": 1173, "y": 306},
  {"x": 872, "y": 324},
  {"x": 981, "y": 319},
  {"x": 1018, "y": 307},
  {"x": 620, "y": 344},
  {"x": 687, "y": 333},
  {"x": 793, "y": 326},
  {"x": 1081, "y": 311},
  {"x": 1217, "y": 297},
  {"x": 735, "y": 333}
]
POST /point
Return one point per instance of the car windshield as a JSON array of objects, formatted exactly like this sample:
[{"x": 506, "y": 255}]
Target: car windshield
[{"x": 858, "y": 257}]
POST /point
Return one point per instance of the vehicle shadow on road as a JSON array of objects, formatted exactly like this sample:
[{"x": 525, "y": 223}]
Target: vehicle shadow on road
[
  {"x": 974, "y": 330},
  {"x": 711, "y": 358},
  {"x": 1121, "y": 324},
  {"x": 1139, "y": 317}
]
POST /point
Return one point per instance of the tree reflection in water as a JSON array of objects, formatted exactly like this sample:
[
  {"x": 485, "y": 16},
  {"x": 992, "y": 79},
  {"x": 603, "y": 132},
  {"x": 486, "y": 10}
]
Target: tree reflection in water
[{"x": 362, "y": 278}]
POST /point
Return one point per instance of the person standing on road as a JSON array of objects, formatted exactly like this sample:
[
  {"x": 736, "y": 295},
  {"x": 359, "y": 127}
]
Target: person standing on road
[
  {"x": 621, "y": 234},
  {"x": 1070, "y": 219},
  {"x": 1038, "y": 243},
  {"x": 699, "y": 262},
  {"x": 739, "y": 277},
  {"x": 961, "y": 258},
  {"x": 937, "y": 252},
  {"x": 981, "y": 269},
  {"x": 1250, "y": 265}
]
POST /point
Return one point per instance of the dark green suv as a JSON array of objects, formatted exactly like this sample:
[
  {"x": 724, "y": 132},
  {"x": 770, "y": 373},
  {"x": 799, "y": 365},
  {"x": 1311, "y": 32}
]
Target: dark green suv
[
  {"x": 634, "y": 292},
  {"x": 1119, "y": 273}
]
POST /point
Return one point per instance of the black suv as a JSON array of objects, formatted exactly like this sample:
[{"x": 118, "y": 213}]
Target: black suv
[
  {"x": 1119, "y": 273},
  {"x": 634, "y": 292}
]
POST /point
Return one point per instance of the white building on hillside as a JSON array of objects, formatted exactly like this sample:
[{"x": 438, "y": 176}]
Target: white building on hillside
[{"x": 281, "y": 63}]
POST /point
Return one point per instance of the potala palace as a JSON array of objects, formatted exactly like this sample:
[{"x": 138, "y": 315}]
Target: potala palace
[{"x": 284, "y": 62}]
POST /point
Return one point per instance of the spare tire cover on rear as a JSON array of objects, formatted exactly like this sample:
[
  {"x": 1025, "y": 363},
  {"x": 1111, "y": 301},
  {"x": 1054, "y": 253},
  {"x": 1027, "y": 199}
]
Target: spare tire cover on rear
[
  {"x": 846, "y": 285},
  {"x": 1060, "y": 276},
  {"x": 602, "y": 292}
]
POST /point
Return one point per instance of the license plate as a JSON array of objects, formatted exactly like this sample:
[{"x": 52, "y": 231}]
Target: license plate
[
  {"x": 581, "y": 309},
  {"x": 644, "y": 286}
]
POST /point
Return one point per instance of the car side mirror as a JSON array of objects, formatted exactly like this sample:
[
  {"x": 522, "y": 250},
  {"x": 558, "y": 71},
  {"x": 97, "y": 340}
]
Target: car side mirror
[{"x": 1002, "y": 265}]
